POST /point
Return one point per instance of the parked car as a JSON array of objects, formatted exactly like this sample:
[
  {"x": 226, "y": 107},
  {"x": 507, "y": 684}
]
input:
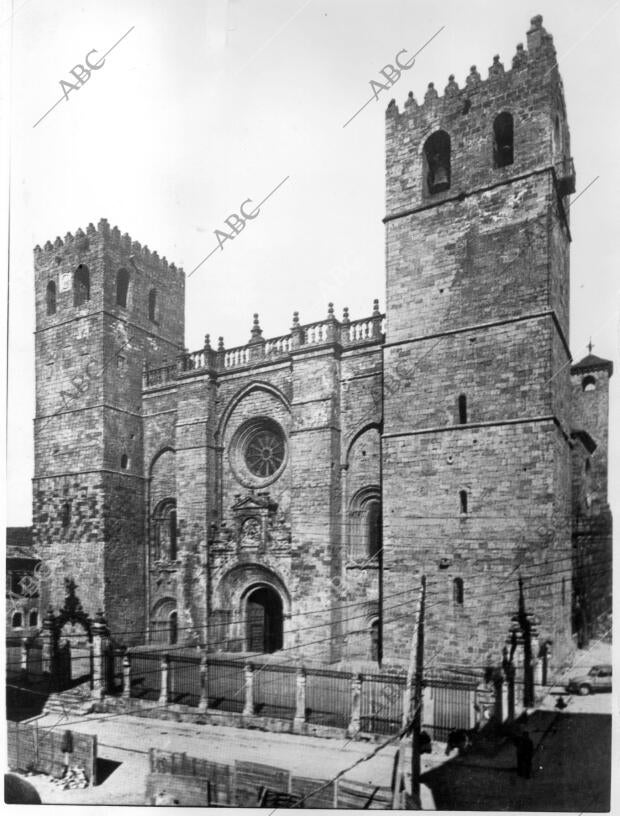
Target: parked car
[{"x": 597, "y": 679}]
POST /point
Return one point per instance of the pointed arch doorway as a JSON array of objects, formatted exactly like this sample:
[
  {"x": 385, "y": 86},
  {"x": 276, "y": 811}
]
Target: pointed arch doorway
[{"x": 264, "y": 620}]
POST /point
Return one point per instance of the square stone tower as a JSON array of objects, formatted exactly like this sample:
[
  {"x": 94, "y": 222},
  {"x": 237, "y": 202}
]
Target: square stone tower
[
  {"x": 105, "y": 307},
  {"x": 476, "y": 438}
]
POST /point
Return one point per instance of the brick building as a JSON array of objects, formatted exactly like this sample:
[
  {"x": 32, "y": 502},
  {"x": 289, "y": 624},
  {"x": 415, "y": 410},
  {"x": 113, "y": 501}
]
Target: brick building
[{"x": 290, "y": 492}]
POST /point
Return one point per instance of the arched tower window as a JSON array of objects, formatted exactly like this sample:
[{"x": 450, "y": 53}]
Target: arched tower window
[
  {"x": 366, "y": 525},
  {"x": 437, "y": 162},
  {"x": 174, "y": 628},
  {"x": 589, "y": 383},
  {"x": 33, "y": 619},
  {"x": 462, "y": 406},
  {"x": 374, "y": 529},
  {"x": 122, "y": 287},
  {"x": 457, "y": 591},
  {"x": 153, "y": 305},
  {"x": 503, "y": 140},
  {"x": 50, "y": 298},
  {"x": 16, "y": 620},
  {"x": 81, "y": 285},
  {"x": 165, "y": 531}
]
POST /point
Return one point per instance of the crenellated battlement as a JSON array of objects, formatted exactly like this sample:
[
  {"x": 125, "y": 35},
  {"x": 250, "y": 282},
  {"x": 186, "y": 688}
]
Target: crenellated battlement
[
  {"x": 540, "y": 57},
  {"x": 509, "y": 125},
  {"x": 104, "y": 236}
]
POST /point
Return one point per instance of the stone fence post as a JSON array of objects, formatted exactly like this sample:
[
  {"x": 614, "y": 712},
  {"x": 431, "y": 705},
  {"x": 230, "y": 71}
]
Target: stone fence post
[
  {"x": 100, "y": 645},
  {"x": 164, "y": 693},
  {"x": 204, "y": 679},
  {"x": 248, "y": 709},
  {"x": 126, "y": 677},
  {"x": 300, "y": 699},
  {"x": 356, "y": 706},
  {"x": 49, "y": 639},
  {"x": 23, "y": 658}
]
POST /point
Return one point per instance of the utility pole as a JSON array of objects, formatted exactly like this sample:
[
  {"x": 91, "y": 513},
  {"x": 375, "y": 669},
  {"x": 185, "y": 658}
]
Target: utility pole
[
  {"x": 528, "y": 668},
  {"x": 417, "y": 705},
  {"x": 412, "y": 693}
]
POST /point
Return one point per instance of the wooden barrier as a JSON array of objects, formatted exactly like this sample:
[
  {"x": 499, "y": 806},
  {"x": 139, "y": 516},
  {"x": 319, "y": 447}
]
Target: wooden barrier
[{"x": 31, "y": 748}]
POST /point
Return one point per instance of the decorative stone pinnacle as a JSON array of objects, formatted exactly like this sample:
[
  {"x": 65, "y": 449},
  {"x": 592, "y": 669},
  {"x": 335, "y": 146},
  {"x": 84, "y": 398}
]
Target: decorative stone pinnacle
[
  {"x": 295, "y": 319},
  {"x": 330, "y": 311},
  {"x": 220, "y": 344},
  {"x": 375, "y": 306},
  {"x": 257, "y": 332},
  {"x": 345, "y": 314},
  {"x": 590, "y": 346},
  {"x": 207, "y": 342}
]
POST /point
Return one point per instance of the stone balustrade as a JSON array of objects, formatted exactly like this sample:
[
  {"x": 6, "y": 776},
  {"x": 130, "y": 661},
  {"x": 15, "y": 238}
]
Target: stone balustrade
[{"x": 344, "y": 333}]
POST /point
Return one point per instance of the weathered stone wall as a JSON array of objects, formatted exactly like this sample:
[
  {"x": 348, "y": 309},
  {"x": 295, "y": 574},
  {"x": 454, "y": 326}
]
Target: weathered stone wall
[
  {"x": 88, "y": 428},
  {"x": 477, "y": 305}
]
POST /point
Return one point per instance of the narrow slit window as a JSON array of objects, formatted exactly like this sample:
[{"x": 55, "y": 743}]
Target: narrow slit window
[
  {"x": 153, "y": 305},
  {"x": 122, "y": 287},
  {"x": 81, "y": 285},
  {"x": 124, "y": 461},
  {"x": 65, "y": 514},
  {"x": 463, "y": 501},
  {"x": 462, "y": 404},
  {"x": 33, "y": 620},
  {"x": 51, "y": 298},
  {"x": 503, "y": 143},
  {"x": 457, "y": 591}
]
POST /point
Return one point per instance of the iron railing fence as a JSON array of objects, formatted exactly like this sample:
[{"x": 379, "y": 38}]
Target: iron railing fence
[
  {"x": 226, "y": 684},
  {"x": 451, "y": 706},
  {"x": 145, "y": 675},
  {"x": 184, "y": 679},
  {"x": 328, "y": 697},
  {"x": 381, "y": 709},
  {"x": 275, "y": 691}
]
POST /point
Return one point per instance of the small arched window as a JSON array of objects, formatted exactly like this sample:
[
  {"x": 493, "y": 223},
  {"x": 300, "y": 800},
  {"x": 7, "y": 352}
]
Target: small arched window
[
  {"x": 373, "y": 520},
  {"x": 124, "y": 461},
  {"x": 457, "y": 591},
  {"x": 65, "y": 514},
  {"x": 81, "y": 285},
  {"x": 165, "y": 530},
  {"x": 174, "y": 628},
  {"x": 503, "y": 140},
  {"x": 33, "y": 619},
  {"x": 153, "y": 305},
  {"x": 16, "y": 620},
  {"x": 122, "y": 287},
  {"x": 437, "y": 162},
  {"x": 589, "y": 383},
  {"x": 463, "y": 501},
  {"x": 462, "y": 406},
  {"x": 50, "y": 298}
]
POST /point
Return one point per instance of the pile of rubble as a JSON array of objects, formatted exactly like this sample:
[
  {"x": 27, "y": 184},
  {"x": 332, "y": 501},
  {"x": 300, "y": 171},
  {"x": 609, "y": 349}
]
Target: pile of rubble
[{"x": 75, "y": 777}]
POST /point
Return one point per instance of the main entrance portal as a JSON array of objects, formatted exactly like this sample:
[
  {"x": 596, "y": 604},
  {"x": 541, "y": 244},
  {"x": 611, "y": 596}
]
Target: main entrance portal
[{"x": 264, "y": 620}]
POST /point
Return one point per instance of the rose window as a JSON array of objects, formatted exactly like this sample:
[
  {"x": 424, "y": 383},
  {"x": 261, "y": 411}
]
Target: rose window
[{"x": 264, "y": 452}]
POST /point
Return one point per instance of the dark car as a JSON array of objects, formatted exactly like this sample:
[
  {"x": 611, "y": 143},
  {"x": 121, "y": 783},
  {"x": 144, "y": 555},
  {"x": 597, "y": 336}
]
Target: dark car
[{"x": 598, "y": 678}]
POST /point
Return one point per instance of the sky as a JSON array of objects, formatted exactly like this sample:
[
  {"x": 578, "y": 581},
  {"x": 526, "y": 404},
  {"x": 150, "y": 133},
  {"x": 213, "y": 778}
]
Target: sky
[{"x": 202, "y": 105}]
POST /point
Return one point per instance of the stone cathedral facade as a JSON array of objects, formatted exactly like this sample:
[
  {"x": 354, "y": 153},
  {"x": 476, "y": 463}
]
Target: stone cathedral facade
[{"x": 288, "y": 494}]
